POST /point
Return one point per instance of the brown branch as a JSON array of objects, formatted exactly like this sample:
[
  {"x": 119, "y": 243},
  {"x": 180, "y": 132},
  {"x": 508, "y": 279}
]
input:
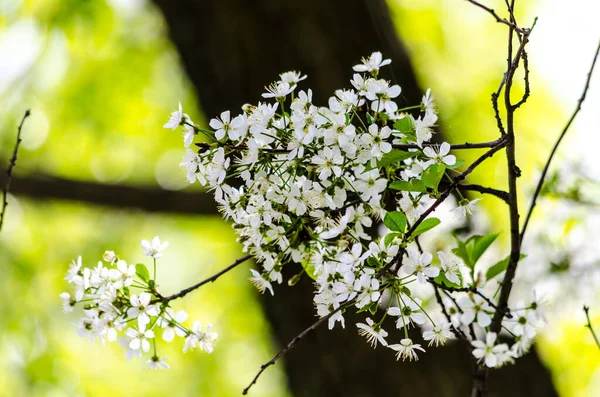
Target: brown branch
[
  {"x": 466, "y": 145},
  {"x": 498, "y": 18},
  {"x": 502, "y": 195},
  {"x": 211, "y": 279},
  {"x": 558, "y": 141},
  {"x": 293, "y": 343},
  {"x": 9, "y": 171},
  {"x": 147, "y": 198},
  {"x": 586, "y": 309}
]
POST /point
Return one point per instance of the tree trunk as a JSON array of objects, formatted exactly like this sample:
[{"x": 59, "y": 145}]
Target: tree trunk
[{"x": 231, "y": 49}]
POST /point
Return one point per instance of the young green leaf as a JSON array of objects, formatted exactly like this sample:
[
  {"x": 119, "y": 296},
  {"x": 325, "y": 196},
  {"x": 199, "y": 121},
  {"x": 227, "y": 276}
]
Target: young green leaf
[
  {"x": 142, "y": 271},
  {"x": 395, "y": 221},
  {"x": 414, "y": 185},
  {"x": 481, "y": 244},
  {"x": 433, "y": 175},
  {"x": 462, "y": 252},
  {"x": 426, "y": 225},
  {"x": 309, "y": 269},
  {"x": 395, "y": 156},
  {"x": 387, "y": 240},
  {"x": 499, "y": 267},
  {"x": 456, "y": 165},
  {"x": 404, "y": 125}
]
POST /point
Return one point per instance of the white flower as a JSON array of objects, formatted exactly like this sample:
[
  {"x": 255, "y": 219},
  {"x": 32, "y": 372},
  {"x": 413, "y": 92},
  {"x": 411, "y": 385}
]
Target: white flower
[
  {"x": 67, "y": 302},
  {"x": 406, "y": 350},
  {"x": 109, "y": 256},
  {"x": 138, "y": 338},
  {"x": 142, "y": 309},
  {"x": 382, "y": 94},
  {"x": 373, "y": 334},
  {"x": 428, "y": 101},
  {"x": 488, "y": 352},
  {"x": 409, "y": 312},
  {"x": 475, "y": 307},
  {"x": 292, "y": 77},
  {"x": 176, "y": 119},
  {"x": 221, "y": 126},
  {"x": 438, "y": 335},
  {"x": 372, "y": 64},
  {"x": 74, "y": 271},
  {"x": 420, "y": 265},
  {"x": 171, "y": 322},
  {"x": 199, "y": 338},
  {"x": 278, "y": 90},
  {"x": 188, "y": 135},
  {"x": 451, "y": 267},
  {"x": 466, "y": 208},
  {"x": 157, "y": 363},
  {"x": 441, "y": 157},
  {"x": 154, "y": 248},
  {"x": 376, "y": 142},
  {"x": 260, "y": 282}
]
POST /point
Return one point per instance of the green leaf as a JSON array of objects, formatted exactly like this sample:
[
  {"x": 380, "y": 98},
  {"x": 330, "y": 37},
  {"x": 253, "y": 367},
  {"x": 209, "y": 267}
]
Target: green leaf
[
  {"x": 142, "y": 271},
  {"x": 373, "y": 262},
  {"x": 370, "y": 119},
  {"x": 309, "y": 269},
  {"x": 390, "y": 237},
  {"x": 461, "y": 252},
  {"x": 404, "y": 125},
  {"x": 395, "y": 156},
  {"x": 482, "y": 243},
  {"x": 499, "y": 267},
  {"x": 442, "y": 280},
  {"x": 414, "y": 185},
  {"x": 456, "y": 165},
  {"x": 433, "y": 175},
  {"x": 395, "y": 221},
  {"x": 426, "y": 225}
]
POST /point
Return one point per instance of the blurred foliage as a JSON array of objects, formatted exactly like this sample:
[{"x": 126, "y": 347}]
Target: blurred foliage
[{"x": 101, "y": 78}]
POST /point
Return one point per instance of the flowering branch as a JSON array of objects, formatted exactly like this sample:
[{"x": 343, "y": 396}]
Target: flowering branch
[
  {"x": 12, "y": 163},
  {"x": 586, "y": 309},
  {"x": 294, "y": 342},
  {"x": 211, "y": 279},
  {"x": 558, "y": 141}
]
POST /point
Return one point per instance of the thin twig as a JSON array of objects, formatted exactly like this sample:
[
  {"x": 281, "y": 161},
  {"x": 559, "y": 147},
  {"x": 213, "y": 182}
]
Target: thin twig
[
  {"x": 457, "y": 332},
  {"x": 586, "y": 309},
  {"x": 11, "y": 165},
  {"x": 293, "y": 342},
  {"x": 471, "y": 290},
  {"x": 558, "y": 141},
  {"x": 455, "y": 146},
  {"x": 501, "y": 194},
  {"x": 211, "y": 279},
  {"x": 498, "y": 18}
]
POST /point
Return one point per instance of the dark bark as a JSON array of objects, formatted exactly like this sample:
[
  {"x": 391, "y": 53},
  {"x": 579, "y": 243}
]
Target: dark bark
[{"x": 230, "y": 50}]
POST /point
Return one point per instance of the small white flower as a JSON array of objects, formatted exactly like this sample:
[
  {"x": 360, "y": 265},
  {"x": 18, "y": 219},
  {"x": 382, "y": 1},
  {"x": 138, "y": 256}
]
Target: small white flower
[
  {"x": 138, "y": 338},
  {"x": 410, "y": 312},
  {"x": 142, "y": 309},
  {"x": 292, "y": 77},
  {"x": 154, "y": 248},
  {"x": 222, "y": 125},
  {"x": 373, "y": 334},
  {"x": 438, "y": 335},
  {"x": 475, "y": 307},
  {"x": 439, "y": 157},
  {"x": 260, "y": 282},
  {"x": 67, "y": 302},
  {"x": 170, "y": 321},
  {"x": 176, "y": 119},
  {"x": 372, "y": 64},
  {"x": 109, "y": 256},
  {"x": 488, "y": 351},
  {"x": 450, "y": 266},
  {"x": 466, "y": 208},
  {"x": 406, "y": 350},
  {"x": 278, "y": 90},
  {"x": 157, "y": 363},
  {"x": 420, "y": 265}
]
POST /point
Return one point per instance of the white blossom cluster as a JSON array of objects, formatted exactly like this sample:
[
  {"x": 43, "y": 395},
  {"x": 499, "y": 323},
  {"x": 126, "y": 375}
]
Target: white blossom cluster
[
  {"x": 122, "y": 299},
  {"x": 307, "y": 184}
]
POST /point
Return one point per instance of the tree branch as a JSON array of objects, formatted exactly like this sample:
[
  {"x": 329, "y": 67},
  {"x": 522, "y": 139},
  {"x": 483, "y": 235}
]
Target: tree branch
[
  {"x": 11, "y": 165},
  {"x": 455, "y": 146},
  {"x": 586, "y": 309},
  {"x": 502, "y": 195},
  {"x": 558, "y": 141},
  {"x": 293, "y": 343},
  {"x": 498, "y": 18},
  {"x": 147, "y": 198},
  {"x": 211, "y": 279}
]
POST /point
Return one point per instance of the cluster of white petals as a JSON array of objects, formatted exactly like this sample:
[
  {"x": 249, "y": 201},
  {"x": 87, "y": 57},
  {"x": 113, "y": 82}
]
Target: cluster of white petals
[{"x": 112, "y": 308}]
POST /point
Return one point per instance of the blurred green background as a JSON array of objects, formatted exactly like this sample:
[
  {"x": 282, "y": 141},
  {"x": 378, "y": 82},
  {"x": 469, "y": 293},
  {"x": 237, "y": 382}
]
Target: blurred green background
[{"x": 101, "y": 78}]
